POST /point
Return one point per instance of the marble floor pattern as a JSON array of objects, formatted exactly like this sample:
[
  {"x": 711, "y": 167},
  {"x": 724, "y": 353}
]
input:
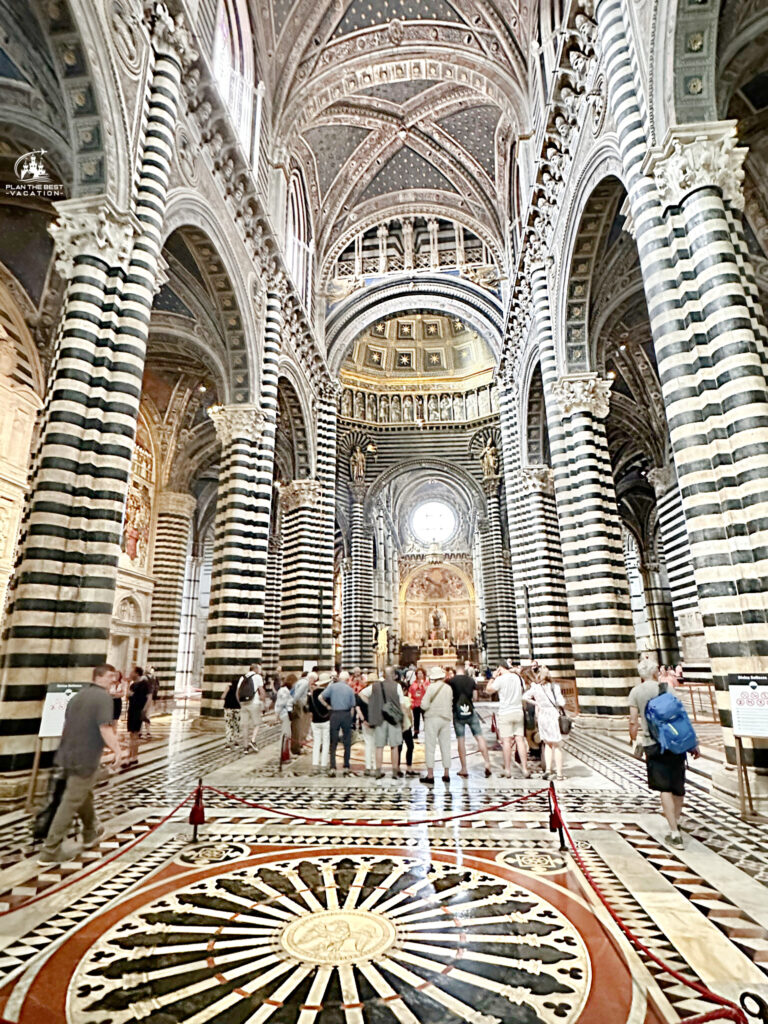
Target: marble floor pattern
[{"x": 385, "y": 909}]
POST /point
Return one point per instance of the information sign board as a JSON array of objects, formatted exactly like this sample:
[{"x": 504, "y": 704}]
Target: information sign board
[
  {"x": 749, "y": 705},
  {"x": 56, "y": 700}
]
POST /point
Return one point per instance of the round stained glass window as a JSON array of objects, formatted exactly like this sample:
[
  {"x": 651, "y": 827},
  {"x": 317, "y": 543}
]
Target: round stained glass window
[{"x": 433, "y": 522}]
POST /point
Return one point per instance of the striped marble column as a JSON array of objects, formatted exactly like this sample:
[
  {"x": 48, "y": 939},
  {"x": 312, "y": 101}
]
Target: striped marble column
[
  {"x": 683, "y": 198},
  {"x": 172, "y": 549},
  {"x": 682, "y": 582},
  {"x": 541, "y": 558},
  {"x": 599, "y": 610},
  {"x": 270, "y": 651},
  {"x": 358, "y": 629},
  {"x": 661, "y": 619},
  {"x": 500, "y": 622},
  {"x": 236, "y": 612},
  {"x": 348, "y": 648},
  {"x": 327, "y": 411},
  {"x": 60, "y": 609},
  {"x": 301, "y": 627}
]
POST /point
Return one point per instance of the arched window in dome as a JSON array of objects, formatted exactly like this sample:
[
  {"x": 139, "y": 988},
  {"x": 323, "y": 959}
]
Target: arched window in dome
[
  {"x": 298, "y": 237},
  {"x": 233, "y": 64}
]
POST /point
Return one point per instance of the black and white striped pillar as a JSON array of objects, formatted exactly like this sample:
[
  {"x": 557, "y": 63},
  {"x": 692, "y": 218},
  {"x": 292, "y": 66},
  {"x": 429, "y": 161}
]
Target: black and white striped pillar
[
  {"x": 270, "y": 653},
  {"x": 328, "y": 396},
  {"x": 599, "y": 610},
  {"x": 358, "y": 629},
  {"x": 301, "y": 629},
  {"x": 501, "y": 631},
  {"x": 236, "y": 611},
  {"x": 169, "y": 566},
  {"x": 60, "y": 609},
  {"x": 684, "y": 197}
]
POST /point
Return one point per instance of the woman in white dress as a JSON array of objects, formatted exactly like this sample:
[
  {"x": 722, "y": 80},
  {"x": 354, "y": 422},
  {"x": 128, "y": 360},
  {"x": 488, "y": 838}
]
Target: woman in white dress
[{"x": 549, "y": 702}]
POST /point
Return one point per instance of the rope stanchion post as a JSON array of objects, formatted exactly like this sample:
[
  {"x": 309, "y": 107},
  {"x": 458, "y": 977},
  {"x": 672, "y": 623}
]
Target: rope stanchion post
[
  {"x": 555, "y": 817},
  {"x": 197, "y": 812}
]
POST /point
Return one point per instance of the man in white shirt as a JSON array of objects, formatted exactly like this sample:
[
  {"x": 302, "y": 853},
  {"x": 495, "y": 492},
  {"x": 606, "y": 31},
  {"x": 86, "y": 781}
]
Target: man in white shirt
[
  {"x": 251, "y": 695},
  {"x": 510, "y": 720}
]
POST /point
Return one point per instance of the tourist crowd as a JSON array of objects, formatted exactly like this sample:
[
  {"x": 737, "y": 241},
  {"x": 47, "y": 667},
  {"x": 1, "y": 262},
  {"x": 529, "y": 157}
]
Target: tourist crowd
[{"x": 393, "y": 711}]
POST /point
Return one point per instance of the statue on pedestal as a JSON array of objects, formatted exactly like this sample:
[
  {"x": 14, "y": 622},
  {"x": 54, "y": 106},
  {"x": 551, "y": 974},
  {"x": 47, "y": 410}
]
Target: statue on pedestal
[{"x": 357, "y": 465}]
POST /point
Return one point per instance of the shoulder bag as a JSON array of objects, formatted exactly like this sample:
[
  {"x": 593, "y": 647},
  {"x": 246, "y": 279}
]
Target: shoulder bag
[{"x": 562, "y": 718}]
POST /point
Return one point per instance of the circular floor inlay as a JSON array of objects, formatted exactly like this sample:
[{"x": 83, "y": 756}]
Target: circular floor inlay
[
  {"x": 338, "y": 937},
  {"x": 412, "y": 940}
]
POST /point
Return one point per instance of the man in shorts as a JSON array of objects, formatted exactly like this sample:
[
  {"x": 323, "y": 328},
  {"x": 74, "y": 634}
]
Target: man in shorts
[
  {"x": 465, "y": 715},
  {"x": 666, "y": 771},
  {"x": 510, "y": 720}
]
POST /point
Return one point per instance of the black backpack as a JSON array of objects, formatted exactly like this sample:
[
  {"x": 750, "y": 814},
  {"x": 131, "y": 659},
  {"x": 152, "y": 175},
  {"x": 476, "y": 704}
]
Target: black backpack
[{"x": 246, "y": 690}]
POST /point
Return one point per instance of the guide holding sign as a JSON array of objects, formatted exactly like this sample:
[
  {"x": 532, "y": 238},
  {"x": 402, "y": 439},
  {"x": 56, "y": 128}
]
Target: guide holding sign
[{"x": 87, "y": 730}]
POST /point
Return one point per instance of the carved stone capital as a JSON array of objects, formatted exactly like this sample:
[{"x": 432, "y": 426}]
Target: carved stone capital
[
  {"x": 301, "y": 494},
  {"x": 176, "y": 503},
  {"x": 237, "y": 421},
  {"x": 491, "y": 485},
  {"x": 583, "y": 393},
  {"x": 170, "y": 35},
  {"x": 329, "y": 390},
  {"x": 358, "y": 490},
  {"x": 92, "y": 225},
  {"x": 538, "y": 479},
  {"x": 696, "y": 156},
  {"x": 662, "y": 480}
]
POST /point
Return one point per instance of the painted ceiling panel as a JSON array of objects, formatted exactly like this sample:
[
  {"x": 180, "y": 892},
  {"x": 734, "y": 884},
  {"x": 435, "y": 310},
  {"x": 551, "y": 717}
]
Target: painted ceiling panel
[
  {"x": 333, "y": 145},
  {"x": 365, "y": 13},
  {"x": 474, "y": 130},
  {"x": 406, "y": 169}
]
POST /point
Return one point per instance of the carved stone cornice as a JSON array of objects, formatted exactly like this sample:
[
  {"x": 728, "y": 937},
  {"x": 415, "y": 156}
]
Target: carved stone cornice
[
  {"x": 237, "y": 421},
  {"x": 662, "y": 480},
  {"x": 538, "y": 479},
  {"x": 170, "y": 35},
  {"x": 95, "y": 226},
  {"x": 583, "y": 393},
  {"x": 358, "y": 491},
  {"x": 301, "y": 494},
  {"x": 697, "y": 156},
  {"x": 176, "y": 503}
]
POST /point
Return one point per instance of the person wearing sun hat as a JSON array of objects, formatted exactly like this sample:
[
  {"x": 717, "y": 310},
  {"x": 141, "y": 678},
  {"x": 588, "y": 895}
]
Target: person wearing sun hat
[
  {"x": 321, "y": 722},
  {"x": 437, "y": 707}
]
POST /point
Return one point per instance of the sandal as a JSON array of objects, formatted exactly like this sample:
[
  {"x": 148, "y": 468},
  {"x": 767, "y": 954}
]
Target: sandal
[{"x": 462, "y": 775}]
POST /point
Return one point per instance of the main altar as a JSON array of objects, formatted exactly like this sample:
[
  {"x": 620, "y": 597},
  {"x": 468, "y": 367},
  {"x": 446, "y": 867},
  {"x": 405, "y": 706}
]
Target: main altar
[{"x": 437, "y": 649}]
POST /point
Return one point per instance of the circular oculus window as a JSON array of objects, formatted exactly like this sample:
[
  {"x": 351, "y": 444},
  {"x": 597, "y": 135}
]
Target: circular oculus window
[{"x": 433, "y": 522}]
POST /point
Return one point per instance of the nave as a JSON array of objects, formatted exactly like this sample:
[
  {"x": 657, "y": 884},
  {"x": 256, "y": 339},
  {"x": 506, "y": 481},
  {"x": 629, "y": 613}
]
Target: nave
[{"x": 363, "y": 911}]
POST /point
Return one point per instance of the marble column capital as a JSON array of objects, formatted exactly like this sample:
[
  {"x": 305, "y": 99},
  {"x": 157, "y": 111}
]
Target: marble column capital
[
  {"x": 237, "y": 421},
  {"x": 329, "y": 390},
  {"x": 95, "y": 226},
  {"x": 176, "y": 503},
  {"x": 698, "y": 155},
  {"x": 171, "y": 36},
  {"x": 491, "y": 485},
  {"x": 537, "y": 479},
  {"x": 358, "y": 489},
  {"x": 662, "y": 479},
  {"x": 583, "y": 393},
  {"x": 301, "y": 494}
]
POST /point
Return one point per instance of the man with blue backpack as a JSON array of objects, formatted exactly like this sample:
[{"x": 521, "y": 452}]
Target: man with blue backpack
[{"x": 667, "y": 737}]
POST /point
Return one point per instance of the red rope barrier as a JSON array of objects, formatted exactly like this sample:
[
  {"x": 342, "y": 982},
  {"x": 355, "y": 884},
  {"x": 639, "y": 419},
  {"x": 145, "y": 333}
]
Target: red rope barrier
[
  {"x": 727, "y": 1010},
  {"x": 99, "y": 864},
  {"x": 369, "y": 823}
]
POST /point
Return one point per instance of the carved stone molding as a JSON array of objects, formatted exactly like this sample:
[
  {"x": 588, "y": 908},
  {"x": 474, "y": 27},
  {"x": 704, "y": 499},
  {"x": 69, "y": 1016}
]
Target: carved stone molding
[
  {"x": 538, "y": 479},
  {"x": 92, "y": 225},
  {"x": 583, "y": 393},
  {"x": 301, "y": 494},
  {"x": 662, "y": 479},
  {"x": 237, "y": 421},
  {"x": 176, "y": 503},
  {"x": 699, "y": 155},
  {"x": 171, "y": 36}
]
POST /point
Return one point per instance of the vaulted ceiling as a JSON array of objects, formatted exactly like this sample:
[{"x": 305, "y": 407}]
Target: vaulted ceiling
[{"x": 397, "y": 106}]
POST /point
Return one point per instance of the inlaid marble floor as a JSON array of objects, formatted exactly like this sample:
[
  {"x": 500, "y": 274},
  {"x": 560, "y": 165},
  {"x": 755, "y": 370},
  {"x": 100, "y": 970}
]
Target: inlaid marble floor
[{"x": 374, "y": 914}]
